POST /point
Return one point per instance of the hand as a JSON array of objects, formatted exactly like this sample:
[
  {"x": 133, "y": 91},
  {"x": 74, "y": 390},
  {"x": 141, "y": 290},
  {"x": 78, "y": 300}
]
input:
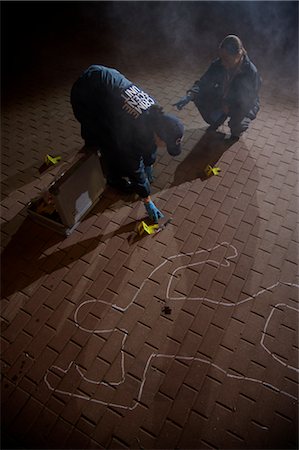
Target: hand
[
  {"x": 182, "y": 102},
  {"x": 153, "y": 212},
  {"x": 149, "y": 173}
]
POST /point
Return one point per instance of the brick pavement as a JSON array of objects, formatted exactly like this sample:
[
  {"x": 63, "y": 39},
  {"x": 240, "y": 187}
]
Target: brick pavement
[{"x": 89, "y": 359}]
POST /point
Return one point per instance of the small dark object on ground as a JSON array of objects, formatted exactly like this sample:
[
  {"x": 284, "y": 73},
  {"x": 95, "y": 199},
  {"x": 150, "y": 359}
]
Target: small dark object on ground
[{"x": 166, "y": 310}]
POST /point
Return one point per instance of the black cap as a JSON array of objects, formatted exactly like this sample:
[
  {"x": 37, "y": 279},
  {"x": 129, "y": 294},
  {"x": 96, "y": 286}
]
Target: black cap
[{"x": 171, "y": 130}]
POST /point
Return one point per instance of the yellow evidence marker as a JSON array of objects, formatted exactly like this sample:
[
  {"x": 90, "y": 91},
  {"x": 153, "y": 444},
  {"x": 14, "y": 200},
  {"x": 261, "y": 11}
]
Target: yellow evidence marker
[
  {"x": 52, "y": 160},
  {"x": 210, "y": 171},
  {"x": 149, "y": 229}
]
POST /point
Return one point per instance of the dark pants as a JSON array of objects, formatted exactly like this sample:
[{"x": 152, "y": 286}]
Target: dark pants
[
  {"x": 238, "y": 122},
  {"x": 117, "y": 165}
]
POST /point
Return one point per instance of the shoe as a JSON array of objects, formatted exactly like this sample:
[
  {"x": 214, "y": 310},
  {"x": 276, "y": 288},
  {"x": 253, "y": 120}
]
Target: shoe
[
  {"x": 232, "y": 138},
  {"x": 122, "y": 185},
  {"x": 212, "y": 127},
  {"x": 89, "y": 148},
  {"x": 215, "y": 125}
]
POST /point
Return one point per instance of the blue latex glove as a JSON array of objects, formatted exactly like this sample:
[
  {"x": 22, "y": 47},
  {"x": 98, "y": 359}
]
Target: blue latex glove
[
  {"x": 153, "y": 212},
  {"x": 182, "y": 102},
  {"x": 149, "y": 173}
]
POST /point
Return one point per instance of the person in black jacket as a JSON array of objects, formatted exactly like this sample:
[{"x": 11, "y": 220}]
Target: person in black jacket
[
  {"x": 228, "y": 89},
  {"x": 127, "y": 125}
]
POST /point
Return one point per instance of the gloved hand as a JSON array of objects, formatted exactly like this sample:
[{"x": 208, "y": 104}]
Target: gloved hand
[
  {"x": 153, "y": 212},
  {"x": 149, "y": 173},
  {"x": 182, "y": 102}
]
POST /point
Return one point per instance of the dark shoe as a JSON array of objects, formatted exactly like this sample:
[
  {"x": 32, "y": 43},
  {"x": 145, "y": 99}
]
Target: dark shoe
[
  {"x": 212, "y": 127},
  {"x": 232, "y": 138},
  {"x": 122, "y": 185},
  {"x": 89, "y": 148}
]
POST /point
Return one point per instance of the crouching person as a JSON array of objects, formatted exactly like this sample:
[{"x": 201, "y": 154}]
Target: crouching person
[
  {"x": 228, "y": 89},
  {"x": 127, "y": 125}
]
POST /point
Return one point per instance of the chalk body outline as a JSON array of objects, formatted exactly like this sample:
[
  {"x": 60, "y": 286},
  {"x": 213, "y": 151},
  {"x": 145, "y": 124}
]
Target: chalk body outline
[{"x": 178, "y": 357}]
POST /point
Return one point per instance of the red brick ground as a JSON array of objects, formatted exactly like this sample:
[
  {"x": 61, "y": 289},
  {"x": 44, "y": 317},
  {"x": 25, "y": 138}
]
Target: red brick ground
[{"x": 220, "y": 371}]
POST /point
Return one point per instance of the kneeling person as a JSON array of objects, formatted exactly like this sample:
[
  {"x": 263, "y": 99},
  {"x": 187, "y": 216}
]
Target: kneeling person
[
  {"x": 228, "y": 89},
  {"x": 127, "y": 125}
]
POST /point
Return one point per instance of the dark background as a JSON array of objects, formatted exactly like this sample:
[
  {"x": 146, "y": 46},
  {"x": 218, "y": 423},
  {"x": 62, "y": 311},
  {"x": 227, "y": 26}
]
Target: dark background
[
  {"x": 35, "y": 34},
  {"x": 42, "y": 42}
]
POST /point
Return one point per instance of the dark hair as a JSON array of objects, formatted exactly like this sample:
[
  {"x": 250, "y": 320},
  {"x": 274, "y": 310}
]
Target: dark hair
[{"x": 233, "y": 45}]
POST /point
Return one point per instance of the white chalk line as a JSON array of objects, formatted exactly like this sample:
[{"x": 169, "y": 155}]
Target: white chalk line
[
  {"x": 226, "y": 263},
  {"x": 265, "y": 331}
]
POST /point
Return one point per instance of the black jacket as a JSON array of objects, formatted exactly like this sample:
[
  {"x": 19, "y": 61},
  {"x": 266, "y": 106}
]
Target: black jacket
[
  {"x": 241, "y": 94},
  {"x": 113, "y": 113}
]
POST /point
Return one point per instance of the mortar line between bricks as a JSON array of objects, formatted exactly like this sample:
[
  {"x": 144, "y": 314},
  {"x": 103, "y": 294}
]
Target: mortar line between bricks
[{"x": 226, "y": 263}]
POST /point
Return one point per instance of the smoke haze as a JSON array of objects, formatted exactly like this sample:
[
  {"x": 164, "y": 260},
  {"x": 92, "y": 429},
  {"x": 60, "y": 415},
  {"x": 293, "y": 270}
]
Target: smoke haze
[{"x": 175, "y": 32}]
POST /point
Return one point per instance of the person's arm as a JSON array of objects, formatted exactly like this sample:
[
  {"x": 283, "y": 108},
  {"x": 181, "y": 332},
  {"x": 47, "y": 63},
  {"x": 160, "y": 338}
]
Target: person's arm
[
  {"x": 141, "y": 186},
  {"x": 254, "y": 102},
  {"x": 206, "y": 80},
  {"x": 139, "y": 180},
  {"x": 198, "y": 86},
  {"x": 245, "y": 95}
]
